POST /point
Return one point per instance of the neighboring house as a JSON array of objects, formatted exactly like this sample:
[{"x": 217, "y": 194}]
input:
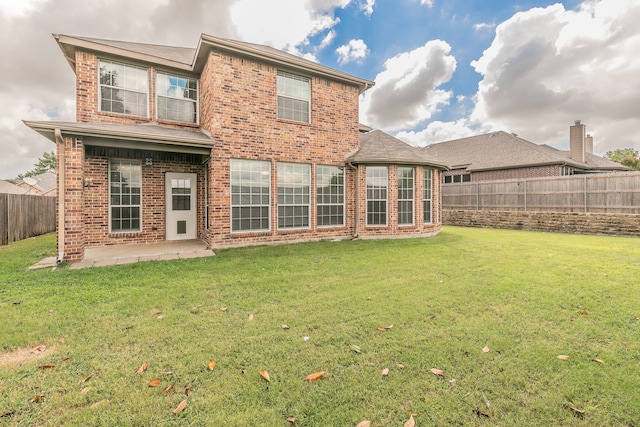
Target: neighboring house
[
  {"x": 44, "y": 184},
  {"x": 8, "y": 188},
  {"x": 229, "y": 142},
  {"x": 502, "y": 155}
]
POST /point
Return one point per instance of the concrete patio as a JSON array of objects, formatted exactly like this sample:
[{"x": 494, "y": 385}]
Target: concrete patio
[{"x": 129, "y": 254}]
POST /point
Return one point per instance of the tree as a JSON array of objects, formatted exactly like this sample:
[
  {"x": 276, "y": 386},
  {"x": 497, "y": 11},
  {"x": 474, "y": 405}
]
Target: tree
[
  {"x": 45, "y": 163},
  {"x": 628, "y": 157}
]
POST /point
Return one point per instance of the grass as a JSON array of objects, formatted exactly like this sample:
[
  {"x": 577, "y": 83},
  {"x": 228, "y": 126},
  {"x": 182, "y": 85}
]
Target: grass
[{"x": 528, "y": 297}]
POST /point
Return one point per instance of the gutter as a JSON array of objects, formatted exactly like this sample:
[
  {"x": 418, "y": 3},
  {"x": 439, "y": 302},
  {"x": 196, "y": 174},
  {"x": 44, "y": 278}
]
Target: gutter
[{"x": 61, "y": 189}]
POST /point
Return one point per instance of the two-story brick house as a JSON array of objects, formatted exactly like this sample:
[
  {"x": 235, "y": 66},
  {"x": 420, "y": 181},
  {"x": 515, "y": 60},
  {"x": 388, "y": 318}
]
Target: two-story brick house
[{"x": 231, "y": 143}]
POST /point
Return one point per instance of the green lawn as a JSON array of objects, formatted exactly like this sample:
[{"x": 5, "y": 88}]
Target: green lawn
[{"x": 525, "y": 297}]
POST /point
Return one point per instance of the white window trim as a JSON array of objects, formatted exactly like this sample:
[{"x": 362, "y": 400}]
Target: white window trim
[
  {"x": 231, "y": 206},
  {"x": 197, "y": 100},
  {"x": 278, "y": 72},
  {"x": 111, "y": 231},
  {"x": 100, "y": 110},
  {"x": 287, "y": 204},
  {"x": 412, "y": 200},
  {"x": 424, "y": 199},
  {"x": 343, "y": 204},
  {"x": 386, "y": 224}
]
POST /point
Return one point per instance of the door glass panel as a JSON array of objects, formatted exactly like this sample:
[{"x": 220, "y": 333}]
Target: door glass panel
[{"x": 181, "y": 194}]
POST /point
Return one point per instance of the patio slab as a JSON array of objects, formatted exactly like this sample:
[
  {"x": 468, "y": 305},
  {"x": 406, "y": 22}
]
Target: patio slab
[{"x": 129, "y": 254}]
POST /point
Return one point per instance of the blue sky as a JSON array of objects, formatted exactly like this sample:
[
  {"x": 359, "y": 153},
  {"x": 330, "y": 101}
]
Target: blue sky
[{"x": 444, "y": 69}]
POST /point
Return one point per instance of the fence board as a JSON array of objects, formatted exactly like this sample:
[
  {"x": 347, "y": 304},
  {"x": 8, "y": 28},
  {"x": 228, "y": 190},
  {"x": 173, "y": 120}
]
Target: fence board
[
  {"x": 23, "y": 216},
  {"x": 599, "y": 193}
]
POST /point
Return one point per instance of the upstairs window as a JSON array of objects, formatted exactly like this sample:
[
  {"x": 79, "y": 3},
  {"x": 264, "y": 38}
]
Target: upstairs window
[
  {"x": 177, "y": 98},
  {"x": 294, "y": 95},
  {"x": 124, "y": 89}
]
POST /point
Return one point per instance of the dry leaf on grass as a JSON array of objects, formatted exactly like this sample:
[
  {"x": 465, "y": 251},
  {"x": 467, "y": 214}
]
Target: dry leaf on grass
[
  {"x": 410, "y": 422},
  {"x": 212, "y": 364},
  {"x": 600, "y": 361},
  {"x": 251, "y": 317},
  {"x": 485, "y": 349},
  {"x": 36, "y": 398},
  {"x": 264, "y": 374},
  {"x": 283, "y": 326},
  {"x": 574, "y": 409},
  {"x": 365, "y": 423},
  {"x": 43, "y": 367},
  {"x": 142, "y": 368},
  {"x": 563, "y": 357},
  {"x": 223, "y": 308},
  {"x": 385, "y": 372},
  {"x": 167, "y": 389},
  {"x": 437, "y": 371},
  {"x": 291, "y": 419},
  {"x": 155, "y": 382},
  {"x": 400, "y": 365},
  {"x": 381, "y": 329},
  {"x": 180, "y": 407},
  {"x": 85, "y": 379},
  {"x": 585, "y": 313},
  {"x": 84, "y": 390},
  {"x": 61, "y": 340},
  {"x": 244, "y": 371},
  {"x": 314, "y": 377}
]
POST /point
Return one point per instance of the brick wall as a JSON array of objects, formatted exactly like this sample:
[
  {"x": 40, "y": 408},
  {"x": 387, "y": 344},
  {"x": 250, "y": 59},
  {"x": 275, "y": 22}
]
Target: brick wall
[
  {"x": 561, "y": 222},
  {"x": 393, "y": 229},
  {"x": 74, "y": 241},
  {"x": 239, "y": 100},
  {"x": 533, "y": 172}
]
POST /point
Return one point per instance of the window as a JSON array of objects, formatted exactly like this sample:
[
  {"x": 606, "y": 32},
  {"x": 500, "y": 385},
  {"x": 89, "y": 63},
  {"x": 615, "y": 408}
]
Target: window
[
  {"x": 250, "y": 195},
  {"x": 123, "y": 88},
  {"x": 377, "y": 195},
  {"x": 294, "y": 198},
  {"x": 466, "y": 177},
  {"x": 294, "y": 94},
  {"x": 177, "y": 98},
  {"x": 181, "y": 194},
  {"x": 329, "y": 196},
  {"x": 405, "y": 196},
  {"x": 427, "y": 192},
  {"x": 125, "y": 179}
]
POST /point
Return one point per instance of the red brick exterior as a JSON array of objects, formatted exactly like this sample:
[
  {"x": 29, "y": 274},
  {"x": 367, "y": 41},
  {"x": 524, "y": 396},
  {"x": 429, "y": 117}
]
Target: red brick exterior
[
  {"x": 532, "y": 172},
  {"x": 238, "y": 108}
]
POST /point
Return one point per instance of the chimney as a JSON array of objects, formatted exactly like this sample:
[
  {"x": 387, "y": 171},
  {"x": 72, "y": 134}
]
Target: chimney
[
  {"x": 588, "y": 144},
  {"x": 577, "y": 142}
]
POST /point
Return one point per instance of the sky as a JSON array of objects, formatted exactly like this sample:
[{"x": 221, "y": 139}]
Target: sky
[{"x": 444, "y": 69}]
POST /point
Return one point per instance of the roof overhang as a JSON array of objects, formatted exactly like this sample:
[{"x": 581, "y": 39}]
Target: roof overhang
[
  {"x": 125, "y": 138},
  {"x": 390, "y": 161},
  {"x": 69, "y": 44}
]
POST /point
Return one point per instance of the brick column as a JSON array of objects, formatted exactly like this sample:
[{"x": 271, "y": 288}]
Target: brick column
[{"x": 73, "y": 200}]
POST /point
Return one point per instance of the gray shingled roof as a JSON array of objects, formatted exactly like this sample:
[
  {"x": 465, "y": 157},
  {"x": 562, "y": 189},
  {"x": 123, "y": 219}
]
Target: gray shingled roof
[
  {"x": 45, "y": 182},
  {"x": 9, "y": 188},
  {"x": 184, "y": 55},
  {"x": 379, "y": 147},
  {"x": 143, "y": 132},
  {"x": 502, "y": 150}
]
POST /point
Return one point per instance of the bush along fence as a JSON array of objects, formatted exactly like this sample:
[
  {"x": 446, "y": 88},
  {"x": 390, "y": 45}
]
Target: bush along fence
[
  {"x": 23, "y": 216},
  {"x": 607, "y": 204}
]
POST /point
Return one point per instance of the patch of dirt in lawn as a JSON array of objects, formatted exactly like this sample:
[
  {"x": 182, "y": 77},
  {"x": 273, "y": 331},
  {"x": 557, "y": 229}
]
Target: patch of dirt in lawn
[{"x": 19, "y": 357}]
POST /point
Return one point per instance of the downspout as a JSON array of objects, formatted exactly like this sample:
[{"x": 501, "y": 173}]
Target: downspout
[
  {"x": 357, "y": 201},
  {"x": 61, "y": 188}
]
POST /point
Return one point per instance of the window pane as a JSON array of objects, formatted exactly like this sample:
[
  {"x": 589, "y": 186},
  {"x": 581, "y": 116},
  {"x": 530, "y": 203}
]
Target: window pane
[
  {"x": 250, "y": 187},
  {"x": 427, "y": 192},
  {"x": 294, "y": 94},
  {"x": 377, "y": 195},
  {"x": 294, "y": 180},
  {"x": 123, "y": 88},
  {"x": 125, "y": 208},
  {"x": 177, "y": 98}
]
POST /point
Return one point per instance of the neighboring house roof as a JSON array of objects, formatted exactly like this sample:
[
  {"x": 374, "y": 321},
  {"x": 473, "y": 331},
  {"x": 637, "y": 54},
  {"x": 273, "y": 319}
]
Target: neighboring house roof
[
  {"x": 9, "y": 188},
  {"x": 120, "y": 135},
  {"x": 502, "y": 150},
  {"x": 379, "y": 147},
  {"x": 194, "y": 59},
  {"x": 45, "y": 183}
]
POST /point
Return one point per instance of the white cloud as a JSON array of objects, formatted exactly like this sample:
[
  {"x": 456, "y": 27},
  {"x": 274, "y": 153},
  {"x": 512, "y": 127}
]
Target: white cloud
[
  {"x": 484, "y": 26},
  {"x": 355, "y": 50},
  {"x": 428, "y": 3},
  {"x": 367, "y": 6},
  {"x": 549, "y": 66},
  {"x": 438, "y": 131},
  {"x": 406, "y": 92},
  {"x": 326, "y": 41}
]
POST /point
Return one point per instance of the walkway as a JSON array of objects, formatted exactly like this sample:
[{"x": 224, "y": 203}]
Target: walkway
[{"x": 129, "y": 254}]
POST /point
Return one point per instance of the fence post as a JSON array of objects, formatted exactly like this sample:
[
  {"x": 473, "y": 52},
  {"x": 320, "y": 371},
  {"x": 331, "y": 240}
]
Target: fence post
[
  {"x": 477, "y": 196},
  {"x": 525, "y": 195},
  {"x": 585, "y": 194}
]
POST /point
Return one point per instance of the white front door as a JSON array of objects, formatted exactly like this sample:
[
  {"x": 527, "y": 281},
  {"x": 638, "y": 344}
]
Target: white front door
[{"x": 180, "y": 190}]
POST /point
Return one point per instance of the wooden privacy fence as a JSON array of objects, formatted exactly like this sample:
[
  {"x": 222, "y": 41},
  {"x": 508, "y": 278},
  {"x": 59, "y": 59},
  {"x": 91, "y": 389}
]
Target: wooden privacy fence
[
  {"x": 23, "y": 216},
  {"x": 598, "y": 193}
]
